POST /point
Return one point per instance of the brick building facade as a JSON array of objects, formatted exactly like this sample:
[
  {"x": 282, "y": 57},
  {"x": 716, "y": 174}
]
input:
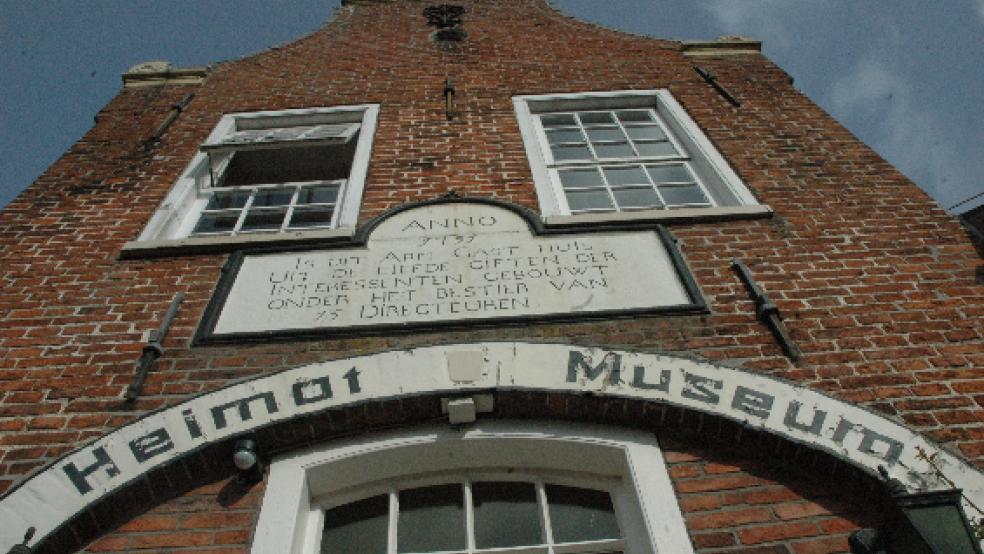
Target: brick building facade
[{"x": 446, "y": 351}]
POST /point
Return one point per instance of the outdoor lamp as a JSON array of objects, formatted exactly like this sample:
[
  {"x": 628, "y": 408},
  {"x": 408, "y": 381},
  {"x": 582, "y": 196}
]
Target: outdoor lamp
[
  {"x": 921, "y": 523},
  {"x": 247, "y": 461}
]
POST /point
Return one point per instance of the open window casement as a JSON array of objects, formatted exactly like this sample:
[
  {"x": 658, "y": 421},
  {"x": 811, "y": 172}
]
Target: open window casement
[
  {"x": 278, "y": 137},
  {"x": 270, "y": 175}
]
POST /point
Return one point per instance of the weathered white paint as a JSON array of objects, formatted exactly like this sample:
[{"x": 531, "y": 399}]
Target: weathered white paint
[
  {"x": 451, "y": 262},
  {"x": 863, "y": 438}
]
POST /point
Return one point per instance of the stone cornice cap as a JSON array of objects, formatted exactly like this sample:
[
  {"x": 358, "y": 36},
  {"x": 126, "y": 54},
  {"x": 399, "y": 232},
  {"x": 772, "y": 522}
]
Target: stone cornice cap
[
  {"x": 722, "y": 46},
  {"x": 160, "y": 72}
]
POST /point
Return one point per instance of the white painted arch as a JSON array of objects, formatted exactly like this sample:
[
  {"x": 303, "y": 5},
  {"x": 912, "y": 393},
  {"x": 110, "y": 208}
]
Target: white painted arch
[{"x": 67, "y": 487}]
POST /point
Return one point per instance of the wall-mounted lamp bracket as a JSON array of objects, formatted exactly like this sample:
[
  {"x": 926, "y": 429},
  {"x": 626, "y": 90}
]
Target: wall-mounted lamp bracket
[
  {"x": 449, "y": 98},
  {"x": 713, "y": 81},
  {"x": 153, "y": 349},
  {"x": 768, "y": 312},
  {"x": 929, "y": 522}
]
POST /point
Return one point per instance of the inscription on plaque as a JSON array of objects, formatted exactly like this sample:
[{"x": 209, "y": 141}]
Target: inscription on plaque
[{"x": 451, "y": 262}]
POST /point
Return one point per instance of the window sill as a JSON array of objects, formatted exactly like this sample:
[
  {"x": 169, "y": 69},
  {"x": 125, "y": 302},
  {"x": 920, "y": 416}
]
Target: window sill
[
  {"x": 724, "y": 213},
  {"x": 218, "y": 244}
]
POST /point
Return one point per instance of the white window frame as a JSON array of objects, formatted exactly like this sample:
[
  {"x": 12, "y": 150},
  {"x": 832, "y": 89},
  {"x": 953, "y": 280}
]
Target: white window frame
[
  {"x": 173, "y": 222},
  {"x": 626, "y": 463},
  {"x": 727, "y": 192}
]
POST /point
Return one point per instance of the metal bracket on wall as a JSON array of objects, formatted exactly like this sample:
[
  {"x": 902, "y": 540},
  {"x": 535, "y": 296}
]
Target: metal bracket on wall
[
  {"x": 768, "y": 312},
  {"x": 172, "y": 116},
  {"x": 153, "y": 349},
  {"x": 449, "y": 98},
  {"x": 712, "y": 79}
]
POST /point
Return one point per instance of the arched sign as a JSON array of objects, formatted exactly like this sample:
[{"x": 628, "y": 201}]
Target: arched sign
[{"x": 867, "y": 440}]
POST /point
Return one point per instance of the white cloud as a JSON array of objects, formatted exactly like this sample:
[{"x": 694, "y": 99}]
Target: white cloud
[
  {"x": 872, "y": 86},
  {"x": 762, "y": 18}
]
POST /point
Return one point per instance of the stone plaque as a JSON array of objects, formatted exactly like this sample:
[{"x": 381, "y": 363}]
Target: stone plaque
[{"x": 450, "y": 263}]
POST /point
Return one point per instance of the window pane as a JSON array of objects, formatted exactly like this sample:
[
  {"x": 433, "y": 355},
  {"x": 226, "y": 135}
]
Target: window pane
[
  {"x": 636, "y": 198},
  {"x": 588, "y": 200},
  {"x": 632, "y": 116},
  {"x": 656, "y": 149},
  {"x": 558, "y": 120},
  {"x": 273, "y": 197},
  {"x": 605, "y": 133},
  {"x": 263, "y": 220},
  {"x": 431, "y": 519},
  {"x": 683, "y": 195},
  {"x": 223, "y": 200},
  {"x": 357, "y": 527},
  {"x": 670, "y": 174},
  {"x": 318, "y": 195},
  {"x": 311, "y": 217},
  {"x": 650, "y": 132},
  {"x": 217, "y": 223},
  {"x": 580, "y": 178},
  {"x": 555, "y": 136},
  {"x": 581, "y": 514},
  {"x": 633, "y": 175},
  {"x": 506, "y": 514},
  {"x": 595, "y": 118},
  {"x": 614, "y": 150},
  {"x": 574, "y": 152}
]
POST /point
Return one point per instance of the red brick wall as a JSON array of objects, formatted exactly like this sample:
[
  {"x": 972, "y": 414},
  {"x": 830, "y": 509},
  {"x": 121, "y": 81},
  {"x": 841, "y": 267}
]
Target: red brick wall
[
  {"x": 875, "y": 281},
  {"x": 214, "y": 519}
]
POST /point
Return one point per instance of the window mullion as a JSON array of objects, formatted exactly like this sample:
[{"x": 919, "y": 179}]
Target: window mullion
[
  {"x": 584, "y": 135},
  {"x": 394, "y": 516},
  {"x": 625, "y": 133},
  {"x": 608, "y": 188},
  {"x": 469, "y": 517},
  {"x": 655, "y": 186},
  {"x": 336, "y": 208},
  {"x": 290, "y": 208},
  {"x": 541, "y": 499},
  {"x": 245, "y": 210}
]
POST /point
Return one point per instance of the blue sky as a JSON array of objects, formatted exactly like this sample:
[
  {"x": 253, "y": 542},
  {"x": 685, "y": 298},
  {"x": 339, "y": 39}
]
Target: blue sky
[{"x": 904, "y": 75}]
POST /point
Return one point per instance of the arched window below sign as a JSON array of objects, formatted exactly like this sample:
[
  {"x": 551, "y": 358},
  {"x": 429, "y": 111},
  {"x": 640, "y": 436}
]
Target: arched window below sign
[
  {"x": 504, "y": 487},
  {"x": 477, "y": 516}
]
